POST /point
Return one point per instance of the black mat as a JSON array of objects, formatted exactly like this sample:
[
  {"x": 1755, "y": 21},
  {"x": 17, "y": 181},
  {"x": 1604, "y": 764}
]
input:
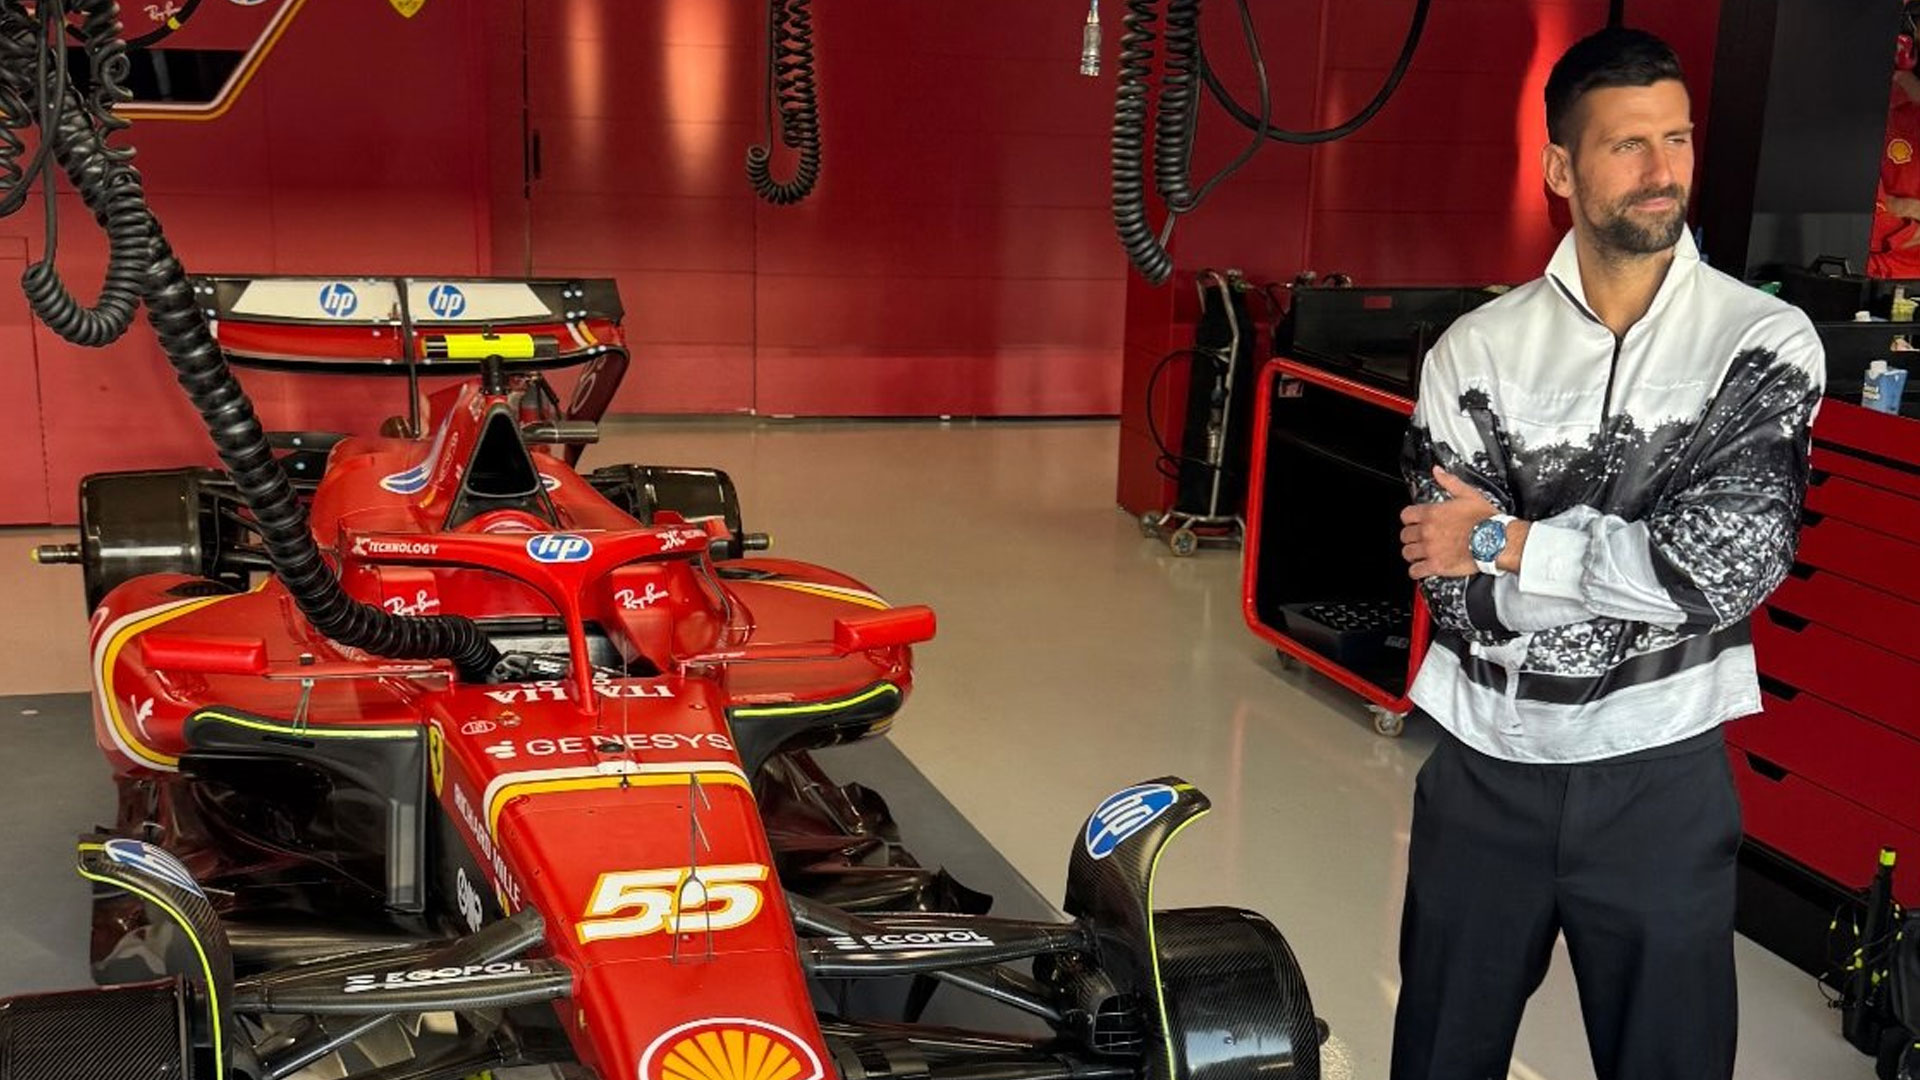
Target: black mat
[{"x": 57, "y": 786}]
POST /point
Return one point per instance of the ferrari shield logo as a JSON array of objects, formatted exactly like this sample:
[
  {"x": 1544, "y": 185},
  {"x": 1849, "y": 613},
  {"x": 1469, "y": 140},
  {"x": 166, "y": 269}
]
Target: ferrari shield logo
[{"x": 407, "y": 8}]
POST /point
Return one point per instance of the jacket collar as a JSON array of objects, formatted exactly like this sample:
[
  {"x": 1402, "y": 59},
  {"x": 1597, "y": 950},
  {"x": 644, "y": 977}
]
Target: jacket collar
[{"x": 1564, "y": 269}]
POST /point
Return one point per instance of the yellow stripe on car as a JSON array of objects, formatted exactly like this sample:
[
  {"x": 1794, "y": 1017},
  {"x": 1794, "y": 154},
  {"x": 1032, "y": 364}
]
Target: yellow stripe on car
[
  {"x": 480, "y": 346},
  {"x": 309, "y": 732},
  {"x": 116, "y": 638},
  {"x": 504, "y": 789},
  {"x": 1153, "y": 946},
  {"x": 816, "y": 707},
  {"x": 206, "y": 966},
  {"x": 832, "y": 592}
]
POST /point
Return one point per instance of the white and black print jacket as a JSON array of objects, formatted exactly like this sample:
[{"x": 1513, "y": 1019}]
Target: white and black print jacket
[{"x": 1664, "y": 473}]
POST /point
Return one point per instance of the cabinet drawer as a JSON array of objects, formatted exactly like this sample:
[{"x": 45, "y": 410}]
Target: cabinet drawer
[
  {"x": 1838, "y": 461},
  {"x": 1852, "y": 426},
  {"x": 1869, "y": 557},
  {"x": 1883, "y": 511},
  {"x": 1862, "y": 761},
  {"x": 1846, "y": 671},
  {"x": 1832, "y": 836},
  {"x": 1854, "y": 609}
]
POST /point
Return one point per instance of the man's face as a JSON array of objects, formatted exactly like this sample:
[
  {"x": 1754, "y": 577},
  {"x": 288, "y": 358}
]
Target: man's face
[{"x": 1630, "y": 169}]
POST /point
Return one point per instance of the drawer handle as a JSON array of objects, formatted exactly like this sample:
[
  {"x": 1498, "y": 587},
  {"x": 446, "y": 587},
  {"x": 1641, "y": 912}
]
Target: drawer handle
[
  {"x": 1811, "y": 518},
  {"x": 1791, "y": 622},
  {"x": 1763, "y": 768},
  {"x": 1778, "y": 689},
  {"x": 1802, "y": 571},
  {"x": 1816, "y": 477}
]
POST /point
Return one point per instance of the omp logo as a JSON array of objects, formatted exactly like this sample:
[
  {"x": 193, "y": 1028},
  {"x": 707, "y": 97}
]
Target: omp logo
[
  {"x": 338, "y": 299},
  {"x": 447, "y": 301},
  {"x": 468, "y": 898},
  {"x": 1125, "y": 813},
  {"x": 559, "y": 548},
  {"x": 730, "y": 1048},
  {"x": 153, "y": 862}
]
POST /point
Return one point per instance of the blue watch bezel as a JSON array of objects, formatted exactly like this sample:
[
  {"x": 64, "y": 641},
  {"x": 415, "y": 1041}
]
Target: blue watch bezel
[{"x": 1487, "y": 540}]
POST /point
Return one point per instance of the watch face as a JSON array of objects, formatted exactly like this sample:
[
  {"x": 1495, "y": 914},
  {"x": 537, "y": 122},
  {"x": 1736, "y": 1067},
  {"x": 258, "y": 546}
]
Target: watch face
[{"x": 1487, "y": 540}]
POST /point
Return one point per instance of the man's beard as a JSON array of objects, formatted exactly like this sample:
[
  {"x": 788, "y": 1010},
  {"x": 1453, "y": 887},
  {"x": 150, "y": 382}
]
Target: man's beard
[{"x": 1622, "y": 233}]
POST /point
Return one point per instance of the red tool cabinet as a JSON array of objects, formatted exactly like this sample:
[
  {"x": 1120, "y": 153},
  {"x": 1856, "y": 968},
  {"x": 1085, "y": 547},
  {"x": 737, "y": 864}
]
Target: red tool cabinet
[
  {"x": 1324, "y": 495},
  {"x": 1829, "y": 773}
]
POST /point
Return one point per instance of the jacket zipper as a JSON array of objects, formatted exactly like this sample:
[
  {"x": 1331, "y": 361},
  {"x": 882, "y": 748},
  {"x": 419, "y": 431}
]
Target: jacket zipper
[{"x": 1613, "y": 369}]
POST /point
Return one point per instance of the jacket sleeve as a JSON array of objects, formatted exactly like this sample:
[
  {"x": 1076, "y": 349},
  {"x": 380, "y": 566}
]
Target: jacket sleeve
[
  {"x": 1443, "y": 433},
  {"x": 1724, "y": 534}
]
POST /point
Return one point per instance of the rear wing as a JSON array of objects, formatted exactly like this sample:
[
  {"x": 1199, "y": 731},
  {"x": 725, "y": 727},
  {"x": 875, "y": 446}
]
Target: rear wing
[{"x": 413, "y": 327}]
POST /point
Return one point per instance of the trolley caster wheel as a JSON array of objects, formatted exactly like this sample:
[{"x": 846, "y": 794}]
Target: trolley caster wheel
[
  {"x": 1150, "y": 525},
  {"x": 1387, "y": 722},
  {"x": 1288, "y": 662},
  {"x": 1183, "y": 543}
]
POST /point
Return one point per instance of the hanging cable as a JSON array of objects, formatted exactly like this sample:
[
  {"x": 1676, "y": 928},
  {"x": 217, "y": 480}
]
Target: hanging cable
[
  {"x": 1175, "y": 127},
  {"x": 1129, "y": 145},
  {"x": 142, "y": 268},
  {"x": 791, "y": 89},
  {"x": 1247, "y": 119}
]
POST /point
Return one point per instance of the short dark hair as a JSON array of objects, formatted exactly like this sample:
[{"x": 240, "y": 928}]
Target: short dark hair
[{"x": 1615, "y": 56}]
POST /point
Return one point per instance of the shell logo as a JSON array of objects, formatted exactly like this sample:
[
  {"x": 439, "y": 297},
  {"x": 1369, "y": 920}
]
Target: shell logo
[
  {"x": 1900, "y": 151},
  {"x": 730, "y": 1048}
]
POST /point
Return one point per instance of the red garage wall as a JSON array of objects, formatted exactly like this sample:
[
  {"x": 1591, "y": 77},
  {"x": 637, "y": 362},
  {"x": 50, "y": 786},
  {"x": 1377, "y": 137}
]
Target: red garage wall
[
  {"x": 957, "y": 257},
  {"x": 1442, "y": 187},
  {"x": 357, "y": 146}
]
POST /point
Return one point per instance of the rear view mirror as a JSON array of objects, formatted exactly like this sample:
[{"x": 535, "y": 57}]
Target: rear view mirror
[{"x": 884, "y": 629}]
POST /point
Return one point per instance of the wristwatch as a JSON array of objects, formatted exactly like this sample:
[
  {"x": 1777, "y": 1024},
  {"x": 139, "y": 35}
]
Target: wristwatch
[{"x": 1487, "y": 540}]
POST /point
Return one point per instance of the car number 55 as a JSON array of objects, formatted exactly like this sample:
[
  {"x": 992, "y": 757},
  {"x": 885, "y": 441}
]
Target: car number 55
[{"x": 690, "y": 900}]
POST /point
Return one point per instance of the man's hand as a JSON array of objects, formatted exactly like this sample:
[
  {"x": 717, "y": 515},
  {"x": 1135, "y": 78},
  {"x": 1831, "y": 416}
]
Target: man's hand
[
  {"x": 1434, "y": 540},
  {"x": 1903, "y": 207}
]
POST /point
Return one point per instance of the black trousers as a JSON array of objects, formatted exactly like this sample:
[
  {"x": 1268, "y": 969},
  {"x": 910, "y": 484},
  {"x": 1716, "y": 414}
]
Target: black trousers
[{"x": 1632, "y": 858}]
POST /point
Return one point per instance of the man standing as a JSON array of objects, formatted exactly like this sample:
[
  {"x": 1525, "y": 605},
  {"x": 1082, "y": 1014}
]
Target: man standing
[{"x": 1608, "y": 465}]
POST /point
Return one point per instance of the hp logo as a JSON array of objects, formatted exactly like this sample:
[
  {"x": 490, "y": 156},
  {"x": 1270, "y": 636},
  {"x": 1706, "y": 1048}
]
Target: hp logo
[
  {"x": 447, "y": 301},
  {"x": 559, "y": 548},
  {"x": 338, "y": 299},
  {"x": 1124, "y": 814}
]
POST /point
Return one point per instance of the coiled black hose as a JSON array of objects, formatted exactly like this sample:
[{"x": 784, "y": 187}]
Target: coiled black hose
[
  {"x": 791, "y": 84},
  {"x": 34, "y": 49},
  {"x": 1179, "y": 100},
  {"x": 1128, "y": 160},
  {"x": 110, "y": 187}
]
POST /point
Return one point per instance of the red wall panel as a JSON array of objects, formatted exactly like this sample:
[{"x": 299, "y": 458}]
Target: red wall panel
[
  {"x": 357, "y": 147},
  {"x": 23, "y": 464},
  {"x": 957, "y": 258},
  {"x": 643, "y": 114},
  {"x": 958, "y": 235}
]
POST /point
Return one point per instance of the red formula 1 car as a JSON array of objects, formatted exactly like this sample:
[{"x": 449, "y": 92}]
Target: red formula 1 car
[{"x": 580, "y": 828}]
